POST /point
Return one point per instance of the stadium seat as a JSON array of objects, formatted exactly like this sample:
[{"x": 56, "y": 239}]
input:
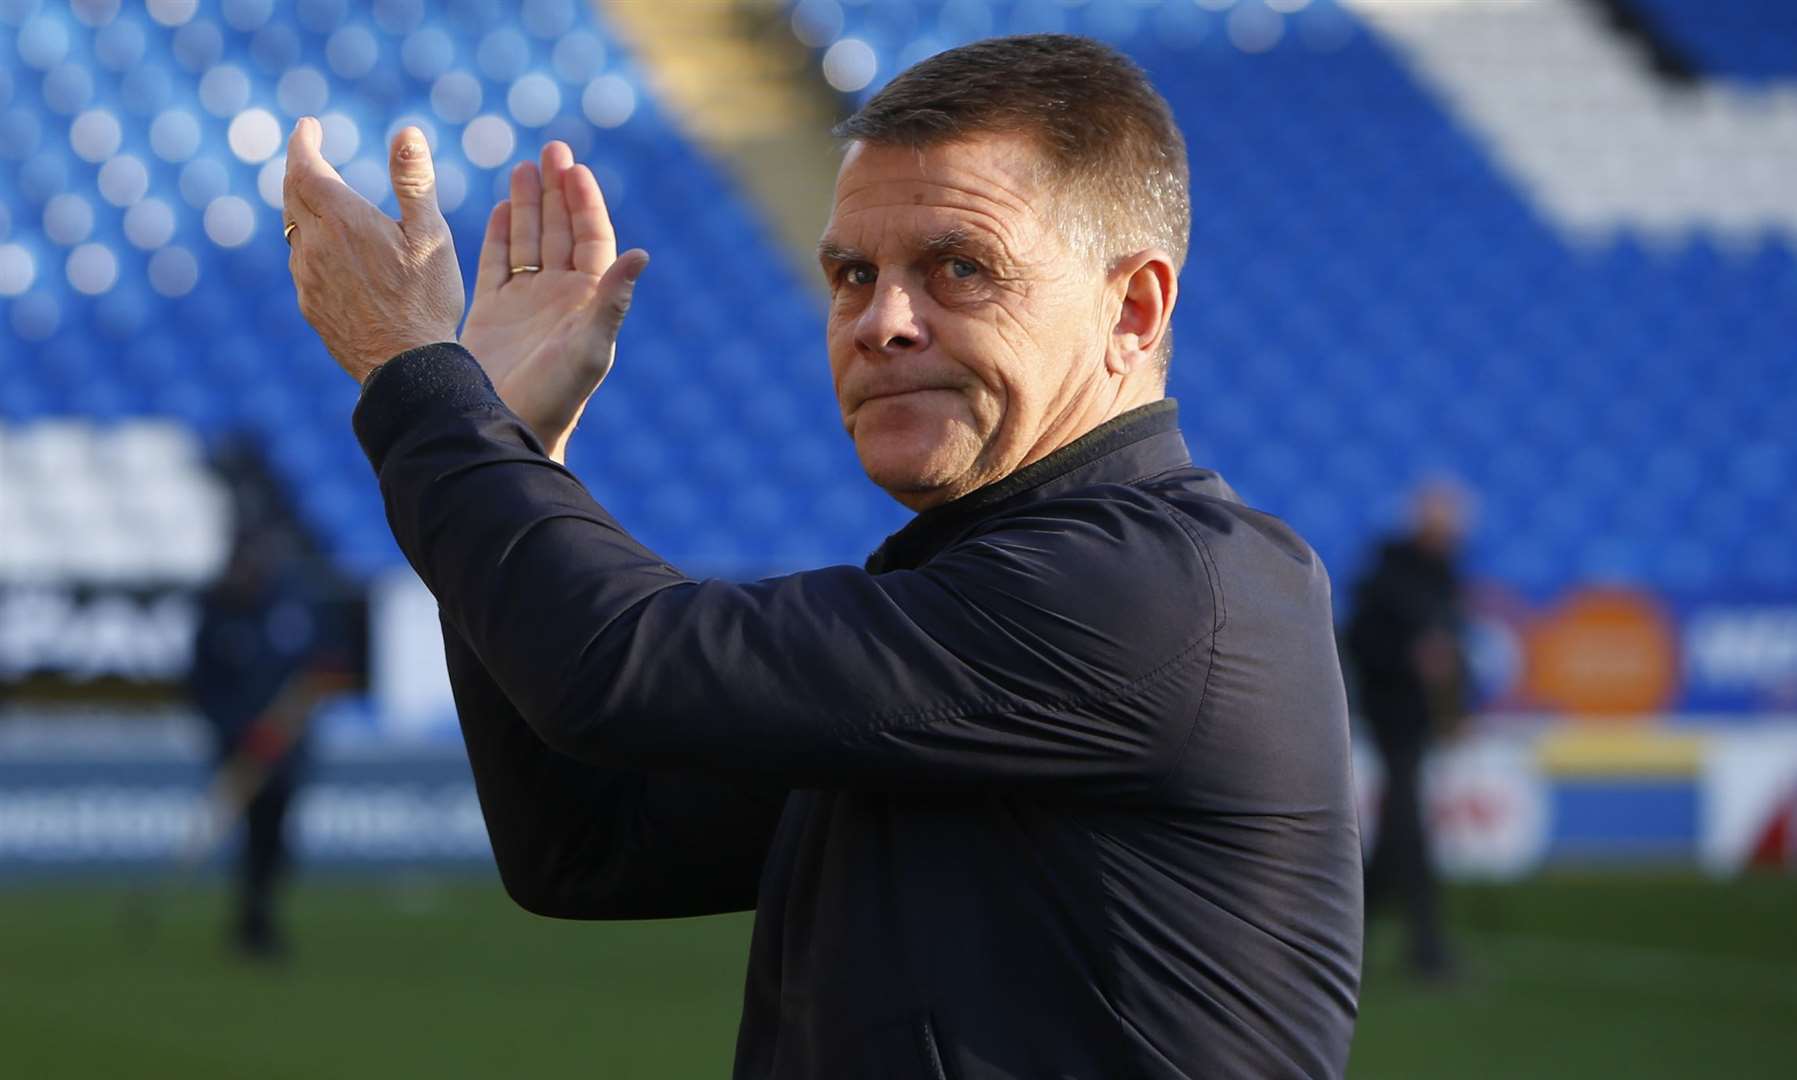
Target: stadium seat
[{"x": 1368, "y": 300}]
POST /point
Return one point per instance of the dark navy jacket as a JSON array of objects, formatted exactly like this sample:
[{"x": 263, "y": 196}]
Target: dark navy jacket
[{"x": 1056, "y": 787}]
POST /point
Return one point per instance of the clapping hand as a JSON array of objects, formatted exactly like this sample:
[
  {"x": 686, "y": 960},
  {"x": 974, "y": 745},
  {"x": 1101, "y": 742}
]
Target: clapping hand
[
  {"x": 370, "y": 286},
  {"x": 550, "y": 295}
]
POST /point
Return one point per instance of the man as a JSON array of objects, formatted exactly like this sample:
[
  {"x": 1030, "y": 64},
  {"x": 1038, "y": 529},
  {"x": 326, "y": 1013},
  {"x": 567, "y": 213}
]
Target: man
[
  {"x": 253, "y": 682},
  {"x": 1056, "y": 786},
  {"x": 262, "y": 661},
  {"x": 1403, "y": 639}
]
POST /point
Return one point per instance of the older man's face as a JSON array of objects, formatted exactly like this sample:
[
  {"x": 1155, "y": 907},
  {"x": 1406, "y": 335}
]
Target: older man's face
[{"x": 964, "y": 333}]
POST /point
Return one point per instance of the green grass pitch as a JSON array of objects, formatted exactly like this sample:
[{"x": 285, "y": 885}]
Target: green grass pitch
[{"x": 1568, "y": 976}]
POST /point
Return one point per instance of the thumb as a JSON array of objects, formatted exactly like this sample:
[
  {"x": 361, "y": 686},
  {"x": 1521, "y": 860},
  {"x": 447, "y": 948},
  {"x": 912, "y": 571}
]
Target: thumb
[
  {"x": 414, "y": 181},
  {"x": 310, "y": 177},
  {"x": 616, "y": 287}
]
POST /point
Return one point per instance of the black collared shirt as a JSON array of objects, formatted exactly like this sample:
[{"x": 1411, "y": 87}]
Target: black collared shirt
[{"x": 1056, "y": 786}]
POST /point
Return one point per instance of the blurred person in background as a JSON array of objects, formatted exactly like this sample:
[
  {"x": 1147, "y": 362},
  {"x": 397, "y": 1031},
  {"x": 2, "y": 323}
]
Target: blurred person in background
[
  {"x": 262, "y": 660},
  {"x": 1404, "y": 641}
]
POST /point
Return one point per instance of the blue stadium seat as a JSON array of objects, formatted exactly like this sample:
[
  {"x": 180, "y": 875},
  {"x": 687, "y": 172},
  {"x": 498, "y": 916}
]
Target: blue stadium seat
[
  {"x": 1365, "y": 290},
  {"x": 199, "y": 323},
  {"x": 1746, "y": 39},
  {"x": 1367, "y": 300}
]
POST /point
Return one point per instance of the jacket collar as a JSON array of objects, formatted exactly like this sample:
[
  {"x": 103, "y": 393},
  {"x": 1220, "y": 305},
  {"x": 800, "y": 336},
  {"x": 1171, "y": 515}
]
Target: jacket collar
[{"x": 1142, "y": 442}]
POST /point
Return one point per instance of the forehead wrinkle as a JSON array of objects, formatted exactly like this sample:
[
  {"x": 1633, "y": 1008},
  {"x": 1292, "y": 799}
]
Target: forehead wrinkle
[
  {"x": 1000, "y": 200},
  {"x": 941, "y": 194}
]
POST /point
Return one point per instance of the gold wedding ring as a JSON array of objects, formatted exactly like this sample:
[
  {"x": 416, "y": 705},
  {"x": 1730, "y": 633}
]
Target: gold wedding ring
[
  {"x": 287, "y": 233},
  {"x": 526, "y": 269}
]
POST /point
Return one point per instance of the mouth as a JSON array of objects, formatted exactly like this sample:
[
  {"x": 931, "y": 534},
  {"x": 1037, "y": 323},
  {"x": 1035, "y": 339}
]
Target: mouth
[{"x": 888, "y": 395}]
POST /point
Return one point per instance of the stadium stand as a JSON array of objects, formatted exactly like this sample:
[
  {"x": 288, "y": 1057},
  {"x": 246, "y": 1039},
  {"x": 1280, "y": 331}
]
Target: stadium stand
[
  {"x": 1369, "y": 298},
  {"x": 1501, "y": 240},
  {"x": 142, "y": 274},
  {"x": 130, "y": 503},
  {"x": 1744, "y": 39}
]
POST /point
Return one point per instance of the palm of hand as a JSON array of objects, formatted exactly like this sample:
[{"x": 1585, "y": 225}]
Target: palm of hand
[
  {"x": 547, "y": 337},
  {"x": 534, "y": 341}
]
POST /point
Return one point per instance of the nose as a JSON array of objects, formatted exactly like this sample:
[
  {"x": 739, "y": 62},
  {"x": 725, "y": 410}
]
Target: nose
[{"x": 891, "y": 322}]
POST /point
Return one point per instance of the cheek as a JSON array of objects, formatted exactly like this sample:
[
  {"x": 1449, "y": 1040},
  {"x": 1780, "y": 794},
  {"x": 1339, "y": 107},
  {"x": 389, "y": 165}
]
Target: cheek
[
  {"x": 976, "y": 344},
  {"x": 1046, "y": 338},
  {"x": 839, "y": 347},
  {"x": 1014, "y": 357}
]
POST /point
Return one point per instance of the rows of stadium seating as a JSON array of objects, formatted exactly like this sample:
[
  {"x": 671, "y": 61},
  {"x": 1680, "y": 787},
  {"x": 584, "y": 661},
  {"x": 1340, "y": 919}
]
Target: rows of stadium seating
[
  {"x": 129, "y": 503},
  {"x": 1367, "y": 302},
  {"x": 142, "y": 271},
  {"x": 1747, "y": 39}
]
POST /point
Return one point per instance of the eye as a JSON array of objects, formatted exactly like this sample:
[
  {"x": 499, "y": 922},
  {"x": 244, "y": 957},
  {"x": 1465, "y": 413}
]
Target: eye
[
  {"x": 858, "y": 274},
  {"x": 962, "y": 268}
]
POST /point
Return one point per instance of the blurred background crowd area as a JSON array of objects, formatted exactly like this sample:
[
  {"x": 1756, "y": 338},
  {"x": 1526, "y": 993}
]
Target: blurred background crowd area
[{"x": 1544, "y": 251}]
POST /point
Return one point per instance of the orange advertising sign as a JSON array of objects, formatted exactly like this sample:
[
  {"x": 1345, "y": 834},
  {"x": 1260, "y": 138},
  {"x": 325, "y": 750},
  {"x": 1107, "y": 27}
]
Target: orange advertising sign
[{"x": 1603, "y": 653}]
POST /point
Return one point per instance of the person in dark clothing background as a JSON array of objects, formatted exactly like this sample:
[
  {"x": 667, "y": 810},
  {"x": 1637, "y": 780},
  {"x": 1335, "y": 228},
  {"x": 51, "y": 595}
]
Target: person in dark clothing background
[
  {"x": 1057, "y": 784},
  {"x": 262, "y": 659},
  {"x": 1404, "y": 641}
]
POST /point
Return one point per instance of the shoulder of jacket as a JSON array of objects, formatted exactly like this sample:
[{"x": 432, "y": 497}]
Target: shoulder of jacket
[
  {"x": 1252, "y": 552},
  {"x": 1113, "y": 545}
]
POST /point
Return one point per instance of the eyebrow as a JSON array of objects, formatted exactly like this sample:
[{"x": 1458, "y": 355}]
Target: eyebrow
[
  {"x": 831, "y": 252},
  {"x": 947, "y": 242},
  {"x": 951, "y": 240}
]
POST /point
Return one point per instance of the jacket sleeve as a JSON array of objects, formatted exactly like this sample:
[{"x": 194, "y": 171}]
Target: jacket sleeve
[
  {"x": 1042, "y": 651},
  {"x": 577, "y": 841}
]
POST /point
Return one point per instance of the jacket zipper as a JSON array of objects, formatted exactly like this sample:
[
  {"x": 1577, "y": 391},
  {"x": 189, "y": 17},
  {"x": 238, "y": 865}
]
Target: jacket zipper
[{"x": 931, "y": 1055}]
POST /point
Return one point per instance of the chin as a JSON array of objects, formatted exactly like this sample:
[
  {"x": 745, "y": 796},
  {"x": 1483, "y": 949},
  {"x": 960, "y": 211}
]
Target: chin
[
  {"x": 902, "y": 468},
  {"x": 914, "y": 470},
  {"x": 916, "y": 445}
]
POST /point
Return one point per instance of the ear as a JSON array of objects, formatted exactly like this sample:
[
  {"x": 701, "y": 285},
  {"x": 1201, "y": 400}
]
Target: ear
[{"x": 1147, "y": 287}]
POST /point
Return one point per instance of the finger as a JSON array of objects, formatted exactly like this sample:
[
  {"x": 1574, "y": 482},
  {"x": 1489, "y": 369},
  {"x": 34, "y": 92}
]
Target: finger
[
  {"x": 616, "y": 287},
  {"x": 311, "y": 187},
  {"x": 414, "y": 180},
  {"x": 495, "y": 251},
  {"x": 558, "y": 242},
  {"x": 527, "y": 216},
  {"x": 595, "y": 244}
]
